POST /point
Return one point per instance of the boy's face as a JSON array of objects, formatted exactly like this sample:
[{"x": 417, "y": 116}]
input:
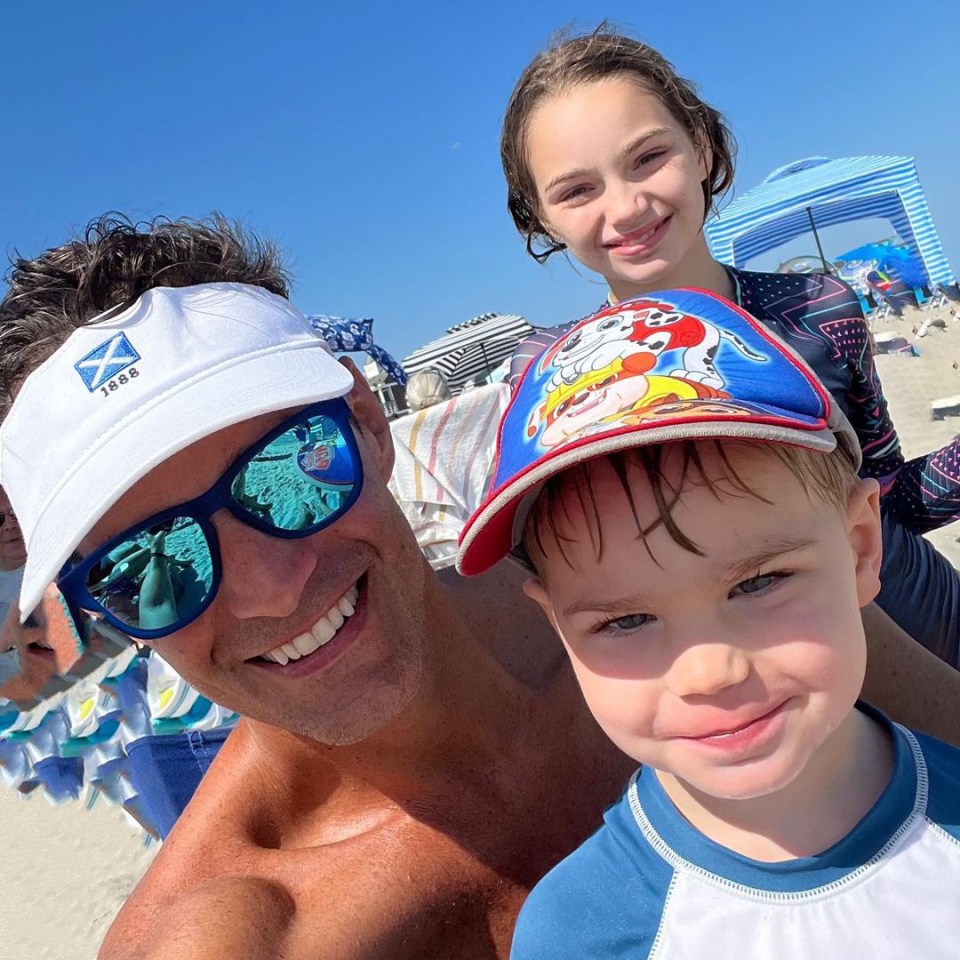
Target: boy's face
[{"x": 727, "y": 670}]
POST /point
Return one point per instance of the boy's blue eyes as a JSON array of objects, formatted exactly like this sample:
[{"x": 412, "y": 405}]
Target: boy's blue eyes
[
  {"x": 759, "y": 584},
  {"x": 631, "y": 622}
]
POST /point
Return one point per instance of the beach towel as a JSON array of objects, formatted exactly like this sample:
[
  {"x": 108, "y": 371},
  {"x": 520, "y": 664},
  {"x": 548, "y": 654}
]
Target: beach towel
[{"x": 444, "y": 458}]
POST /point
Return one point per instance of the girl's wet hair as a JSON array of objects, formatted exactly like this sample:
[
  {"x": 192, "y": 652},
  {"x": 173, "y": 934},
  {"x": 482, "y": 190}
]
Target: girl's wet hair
[
  {"x": 599, "y": 55},
  {"x": 827, "y": 478}
]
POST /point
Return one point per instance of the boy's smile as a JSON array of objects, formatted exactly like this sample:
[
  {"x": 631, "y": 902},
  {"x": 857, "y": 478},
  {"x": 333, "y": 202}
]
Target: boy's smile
[{"x": 733, "y": 673}]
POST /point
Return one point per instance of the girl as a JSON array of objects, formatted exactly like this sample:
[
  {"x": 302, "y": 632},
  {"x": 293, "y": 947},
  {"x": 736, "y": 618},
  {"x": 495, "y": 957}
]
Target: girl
[{"x": 612, "y": 156}]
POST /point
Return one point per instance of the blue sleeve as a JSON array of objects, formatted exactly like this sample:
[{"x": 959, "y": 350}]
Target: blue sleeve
[
  {"x": 605, "y": 902},
  {"x": 943, "y": 772}
]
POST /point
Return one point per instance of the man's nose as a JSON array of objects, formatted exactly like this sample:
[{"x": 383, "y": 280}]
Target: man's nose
[{"x": 262, "y": 576}]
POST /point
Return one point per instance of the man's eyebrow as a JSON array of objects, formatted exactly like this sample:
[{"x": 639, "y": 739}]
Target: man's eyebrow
[{"x": 621, "y": 155}]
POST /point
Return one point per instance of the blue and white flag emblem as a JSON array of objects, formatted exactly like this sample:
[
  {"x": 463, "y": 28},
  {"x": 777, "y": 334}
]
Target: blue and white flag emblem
[{"x": 106, "y": 361}]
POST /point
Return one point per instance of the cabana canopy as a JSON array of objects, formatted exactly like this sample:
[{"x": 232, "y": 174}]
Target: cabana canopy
[{"x": 833, "y": 191}]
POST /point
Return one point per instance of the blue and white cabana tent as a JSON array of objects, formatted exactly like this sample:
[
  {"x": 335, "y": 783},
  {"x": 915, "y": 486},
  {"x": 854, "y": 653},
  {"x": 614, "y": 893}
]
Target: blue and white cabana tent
[{"x": 829, "y": 191}]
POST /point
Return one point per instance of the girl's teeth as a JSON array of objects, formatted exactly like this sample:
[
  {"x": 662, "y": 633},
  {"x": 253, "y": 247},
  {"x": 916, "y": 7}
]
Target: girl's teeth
[{"x": 345, "y": 606}]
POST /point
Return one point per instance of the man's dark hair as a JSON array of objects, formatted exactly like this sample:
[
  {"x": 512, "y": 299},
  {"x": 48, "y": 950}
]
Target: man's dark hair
[{"x": 111, "y": 264}]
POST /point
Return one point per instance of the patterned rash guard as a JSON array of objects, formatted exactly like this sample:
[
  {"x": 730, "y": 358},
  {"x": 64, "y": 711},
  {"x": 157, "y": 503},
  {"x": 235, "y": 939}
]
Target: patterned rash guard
[{"x": 820, "y": 317}]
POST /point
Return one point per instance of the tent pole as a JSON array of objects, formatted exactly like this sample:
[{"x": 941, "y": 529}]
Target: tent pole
[{"x": 816, "y": 236}]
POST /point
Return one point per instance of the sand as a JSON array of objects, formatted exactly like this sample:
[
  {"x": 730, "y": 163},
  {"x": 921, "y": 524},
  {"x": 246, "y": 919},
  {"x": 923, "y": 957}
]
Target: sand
[
  {"x": 911, "y": 384},
  {"x": 65, "y": 871}
]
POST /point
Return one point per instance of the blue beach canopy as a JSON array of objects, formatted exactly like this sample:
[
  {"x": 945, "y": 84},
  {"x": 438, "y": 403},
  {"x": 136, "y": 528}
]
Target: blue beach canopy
[{"x": 835, "y": 191}]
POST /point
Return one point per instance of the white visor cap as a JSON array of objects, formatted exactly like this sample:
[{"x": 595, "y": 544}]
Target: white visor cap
[{"x": 127, "y": 391}]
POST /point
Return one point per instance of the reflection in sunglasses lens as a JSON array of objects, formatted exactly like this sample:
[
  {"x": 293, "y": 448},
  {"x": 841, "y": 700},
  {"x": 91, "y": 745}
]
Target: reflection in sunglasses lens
[
  {"x": 300, "y": 478},
  {"x": 151, "y": 580}
]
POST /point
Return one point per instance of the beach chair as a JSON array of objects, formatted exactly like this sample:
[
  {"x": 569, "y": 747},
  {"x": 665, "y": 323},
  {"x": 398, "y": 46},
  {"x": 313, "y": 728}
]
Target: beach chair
[{"x": 951, "y": 291}]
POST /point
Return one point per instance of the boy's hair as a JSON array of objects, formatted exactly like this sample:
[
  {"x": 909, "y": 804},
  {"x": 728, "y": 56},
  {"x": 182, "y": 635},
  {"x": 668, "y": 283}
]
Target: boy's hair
[
  {"x": 113, "y": 263},
  {"x": 827, "y": 477},
  {"x": 569, "y": 62}
]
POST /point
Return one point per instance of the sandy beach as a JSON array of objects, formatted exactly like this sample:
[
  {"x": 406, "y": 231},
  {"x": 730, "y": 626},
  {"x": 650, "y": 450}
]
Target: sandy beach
[
  {"x": 64, "y": 873},
  {"x": 911, "y": 384},
  {"x": 66, "y": 870}
]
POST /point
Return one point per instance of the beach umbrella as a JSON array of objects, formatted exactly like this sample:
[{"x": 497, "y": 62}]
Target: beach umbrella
[
  {"x": 890, "y": 257},
  {"x": 470, "y": 349}
]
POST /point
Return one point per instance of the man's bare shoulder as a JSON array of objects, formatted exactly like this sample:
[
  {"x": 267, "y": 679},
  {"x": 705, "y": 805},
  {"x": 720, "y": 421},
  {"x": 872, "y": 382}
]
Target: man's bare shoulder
[{"x": 239, "y": 877}]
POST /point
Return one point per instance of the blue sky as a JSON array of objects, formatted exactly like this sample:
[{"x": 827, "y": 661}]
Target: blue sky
[{"x": 363, "y": 137}]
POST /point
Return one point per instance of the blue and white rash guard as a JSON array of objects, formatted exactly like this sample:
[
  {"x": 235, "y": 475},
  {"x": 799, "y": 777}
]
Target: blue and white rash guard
[{"x": 649, "y": 885}]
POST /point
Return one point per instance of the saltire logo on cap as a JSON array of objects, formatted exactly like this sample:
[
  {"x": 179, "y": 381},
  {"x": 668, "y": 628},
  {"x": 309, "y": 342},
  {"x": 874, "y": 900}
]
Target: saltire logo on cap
[{"x": 106, "y": 361}]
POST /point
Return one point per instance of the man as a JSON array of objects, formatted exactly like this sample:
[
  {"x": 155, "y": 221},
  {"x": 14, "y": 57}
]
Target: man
[{"x": 201, "y": 473}]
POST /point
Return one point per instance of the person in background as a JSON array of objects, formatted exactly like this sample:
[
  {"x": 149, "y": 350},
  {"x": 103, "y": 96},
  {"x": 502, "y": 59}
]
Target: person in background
[
  {"x": 13, "y": 555},
  {"x": 426, "y": 388},
  {"x": 12, "y": 558}
]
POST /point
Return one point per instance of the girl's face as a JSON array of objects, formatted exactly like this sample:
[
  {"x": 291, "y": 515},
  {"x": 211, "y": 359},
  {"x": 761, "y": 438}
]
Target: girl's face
[{"x": 619, "y": 181}]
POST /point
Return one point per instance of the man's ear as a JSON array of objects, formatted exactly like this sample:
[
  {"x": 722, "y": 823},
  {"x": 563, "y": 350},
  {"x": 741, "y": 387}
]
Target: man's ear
[
  {"x": 866, "y": 538},
  {"x": 369, "y": 415}
]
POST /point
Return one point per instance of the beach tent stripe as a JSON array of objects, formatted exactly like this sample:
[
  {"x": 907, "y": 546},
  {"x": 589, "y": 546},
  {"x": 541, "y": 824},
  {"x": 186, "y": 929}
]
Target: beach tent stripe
[
  {"x": 470, "y": 348},
  {"x": 837, "y": 191}
]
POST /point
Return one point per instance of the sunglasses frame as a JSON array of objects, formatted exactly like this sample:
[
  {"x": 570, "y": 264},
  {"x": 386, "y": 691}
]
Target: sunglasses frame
[{"x": 72, "y": 579}]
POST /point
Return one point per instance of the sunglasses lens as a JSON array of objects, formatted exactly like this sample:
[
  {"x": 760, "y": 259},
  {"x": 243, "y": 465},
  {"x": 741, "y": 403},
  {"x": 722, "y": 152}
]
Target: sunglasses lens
[
  {"x": 300, "y": 479},
  {"x": 157, "y": 578}
]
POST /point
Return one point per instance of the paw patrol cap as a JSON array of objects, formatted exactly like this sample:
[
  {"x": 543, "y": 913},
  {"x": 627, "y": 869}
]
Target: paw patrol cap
[
  {"x": 676, "y": 365},
  {"x": 132, "y": 387}
]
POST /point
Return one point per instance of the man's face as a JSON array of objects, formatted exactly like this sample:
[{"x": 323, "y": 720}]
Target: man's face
[
  {"x": 274, "y": 591},
  {"x": 727, "y": 671},
  {"x": 13, "y": 554}
]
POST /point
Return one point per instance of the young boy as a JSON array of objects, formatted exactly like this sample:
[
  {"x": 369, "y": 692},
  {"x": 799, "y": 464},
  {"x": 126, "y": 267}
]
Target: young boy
[{"x": 702, "y": 545}]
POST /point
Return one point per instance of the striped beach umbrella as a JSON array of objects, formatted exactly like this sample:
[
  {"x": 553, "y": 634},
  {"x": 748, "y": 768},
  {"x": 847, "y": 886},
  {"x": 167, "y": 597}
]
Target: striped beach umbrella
[{"x": 470, "y": 349}]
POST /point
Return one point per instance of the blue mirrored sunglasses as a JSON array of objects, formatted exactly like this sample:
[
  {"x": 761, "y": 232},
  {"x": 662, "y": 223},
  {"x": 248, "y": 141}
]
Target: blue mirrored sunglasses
[{"x": 161, "y": 574}]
